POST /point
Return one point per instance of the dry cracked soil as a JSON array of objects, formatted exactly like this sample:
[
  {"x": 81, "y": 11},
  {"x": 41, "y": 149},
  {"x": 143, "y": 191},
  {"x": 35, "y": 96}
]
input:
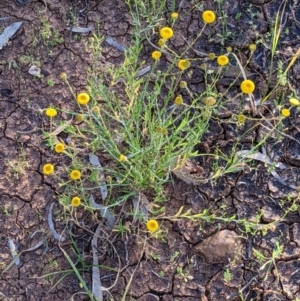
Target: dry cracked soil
[{"x": 207, "y": 260}]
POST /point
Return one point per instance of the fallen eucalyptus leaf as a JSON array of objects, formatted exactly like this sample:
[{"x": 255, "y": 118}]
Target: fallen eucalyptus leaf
[
  {"x": 96, "y": 282},
  {"x": 105, "y": 213},
  {"x": 103, "y": 187},
  {"x": 260, "y": 157},
  {"x": 115, "y": 44},
  {"x": 143, "y": 71},
  {"x": 80, "y": 29},
  {"x": 13, "y": 250},
  {"x": 140, "y": 204},
  {"x": 9, "y": 32},
  {"x": 51, "y": 225},
  {"x": 266, "y": 159}
]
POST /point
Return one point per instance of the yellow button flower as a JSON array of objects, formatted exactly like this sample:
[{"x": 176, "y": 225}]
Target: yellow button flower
[
  {"x": 48, "y": 169},
  {"x": 83, "y": 98},
  {"x": 208, "y": 16},
  {"x": 156, "y": 55},
  {"x": 76, "y": 201},
  {"x": 247, "y": 86},
  {"x": 241, "y": 118},
  {"x": 79, "y": 118},
  {"x": 59, "y": 148},
  {"x": 252, "y": 47},
  {"x": 166, "y": 33},
  {"x": 96, "y": 109},
  {"x": 294, "y": 102},
  {"x": 222, "y": 60},
  {"x": 183, "y": 84},
  {"x": 161, "y": 42},
  {"x": 178, "y": 100},
  {"x": 50, "y": 112},
  {"x": 63, "y": 76},
  {"x": 183, "y": 64},
  {"x": 75, "y": 174},
  {"x": 211, "y": 56},
  {"x": 174, "y": 16},
  {"x": 285, "y": 112},
  {"x": 152, "y": 225},
  {"x": 209, "y": 101},
  {"x": 123, "y": 158}
]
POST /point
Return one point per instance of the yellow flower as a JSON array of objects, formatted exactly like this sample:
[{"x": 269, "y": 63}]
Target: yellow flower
[
  {"x": 75, "y": 201},
  {"x": 285, "y": 112},
  {"x": 208, "y": 16},
  {"x": 75, "y": 174},
  {"x": 229, "y": 49},
  {"x": 164, "y": 131},
  {"x": 59, "y": 147},
  {"x": 294, "y": 102},
  {"x": 211, "y": 56},
  {"x": 63, "y": 76},
  {"x": 152, "y": 225},
  {"x": 241, "y": 118},
  {"x": 174, "y": 16},
  {"x": 156, "y": 55},
  {"x": 123, "y": 158},
  {"x": 161, "y": 42},
  {"x": 83, "y": 98},
  {"x": 166, "y": 33},
  {"x": 183, "y": 84},
  {"x": 50, "y": 112},
  {"x": 210, "y": 101},
  {"x": 183, "y": 64},
  {"x": 222, "y": 60},
  {"x": 178, "y": 100},
  {"x": 79, "y": 118},
  {"x": 252, "y": 47},
  {"x": 48, "y": 169},
  {"x": 247, "y": 86},
  {"x": 96, "y": 110}
]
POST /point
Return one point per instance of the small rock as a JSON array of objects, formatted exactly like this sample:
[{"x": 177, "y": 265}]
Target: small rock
[
  {"x": 35, "y": 71},
  {"x": 224, "y": 246}
]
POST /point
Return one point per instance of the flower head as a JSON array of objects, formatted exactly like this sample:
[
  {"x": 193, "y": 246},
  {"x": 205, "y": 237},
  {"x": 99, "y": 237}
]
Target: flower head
[
  {"x": 247, "y": 86},
  {"x": 75, "y": 202},
  {"x": 152, "y": 225},
  {"x": 241, "y": 118},
  {"x": 59, "y": 148},
  {"x": 183, "y": 64},
  {"x": 75, "y": 174},
  {"x": 252, "y": 47},
  {"x": 183, "y": 84},
  {"x": 294, "y": 102},
  {"x": 50, "y": 112},
  {"x": 48, "y": 169},
  {"x": 96, "y": 109},
  {"x": 83, "y": 98},
  {"x": 63, "y": 76},
  {"x": 166, "y": 33},
  {"x": 285, "y": 112},
  {"x": 222, "y": 60},
  {"x": 79, "y": 118},
  {"x": 209, "y": 101},
  {"x": 211, "y": 56},
  {"x": 156, "y": 55},
  {"x": 123, "y": 158},
  {"x": 208, "y": 16},
  {"x": 161, "y": 42},
  {"x": 174, "y": 16},
  {"x": 178, "y": 100}
]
